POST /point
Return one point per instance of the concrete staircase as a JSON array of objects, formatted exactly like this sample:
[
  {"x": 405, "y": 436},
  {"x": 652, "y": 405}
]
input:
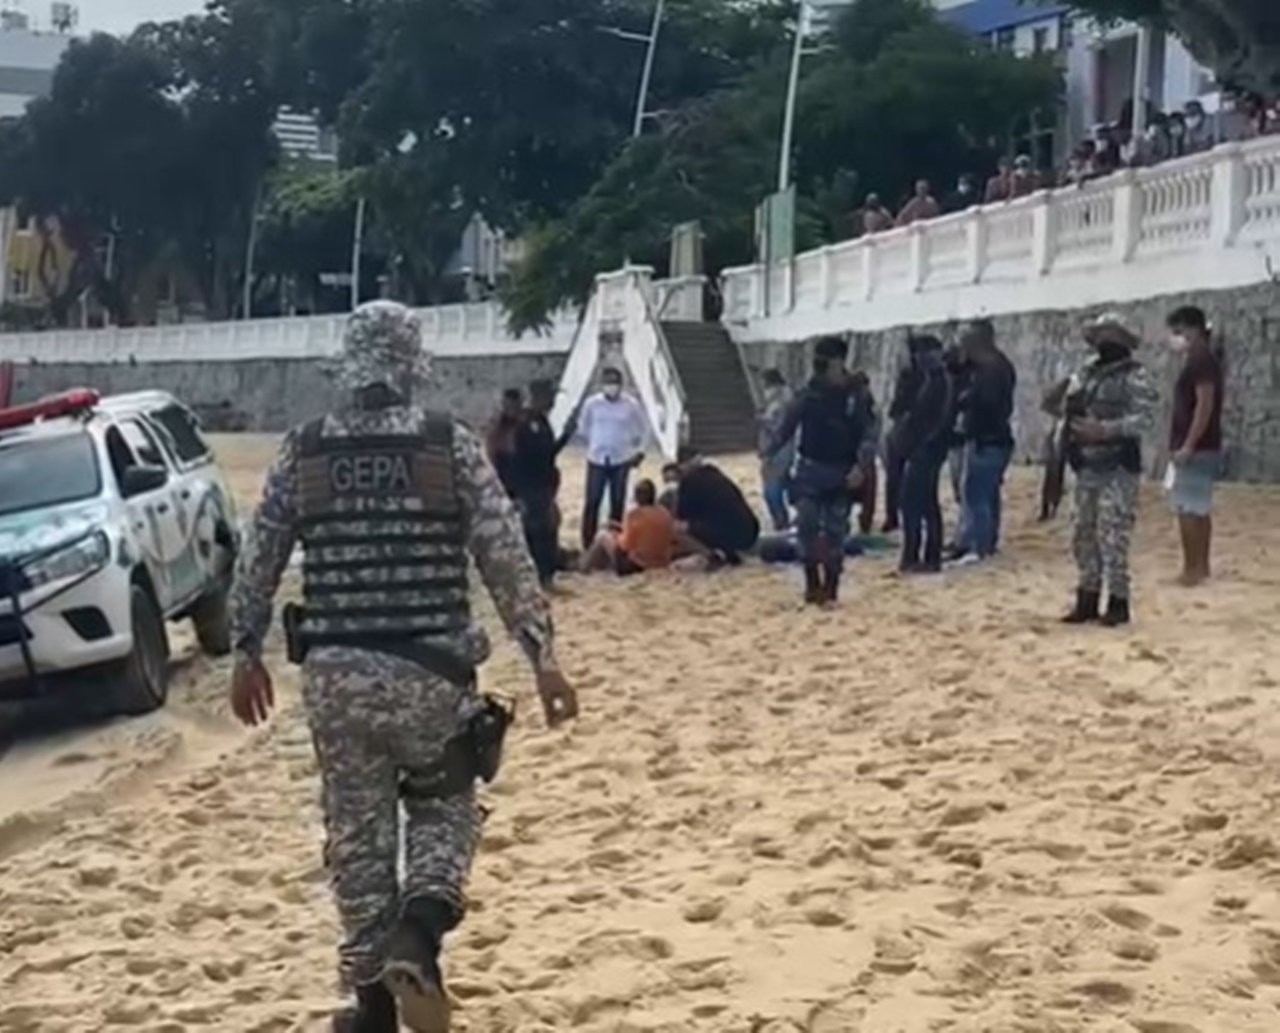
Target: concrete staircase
[{"x": 717, "y": 396}]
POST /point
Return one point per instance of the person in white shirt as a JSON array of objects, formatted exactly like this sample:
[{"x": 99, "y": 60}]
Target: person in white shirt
[{"x": 614, "y": 427}]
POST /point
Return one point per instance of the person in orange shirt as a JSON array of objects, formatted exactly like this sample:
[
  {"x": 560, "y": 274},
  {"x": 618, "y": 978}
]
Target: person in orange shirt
[{"x": 646, "y": 540}]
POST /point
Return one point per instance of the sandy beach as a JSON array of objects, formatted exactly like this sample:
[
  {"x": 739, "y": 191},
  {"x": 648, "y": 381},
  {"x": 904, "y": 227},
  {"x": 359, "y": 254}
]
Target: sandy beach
[{"x": 933, "y": 809}]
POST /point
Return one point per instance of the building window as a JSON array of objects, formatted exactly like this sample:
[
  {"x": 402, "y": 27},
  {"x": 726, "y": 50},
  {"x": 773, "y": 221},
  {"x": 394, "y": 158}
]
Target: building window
[
  {"x": 1040, "y": 40},
  {"x": 19, "y": 284},
  {"x": 1066, "y": 33},
  {"x": 1005, "y": 39}
]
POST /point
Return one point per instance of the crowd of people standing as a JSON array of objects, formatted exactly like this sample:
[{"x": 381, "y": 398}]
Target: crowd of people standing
[
  {"x": 1111, "y": 146},
  {"x": 825, "y": 450}
]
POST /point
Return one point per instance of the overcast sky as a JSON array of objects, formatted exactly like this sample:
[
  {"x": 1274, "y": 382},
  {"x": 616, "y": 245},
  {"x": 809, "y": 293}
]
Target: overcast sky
[{"x": 119, "y": 15}]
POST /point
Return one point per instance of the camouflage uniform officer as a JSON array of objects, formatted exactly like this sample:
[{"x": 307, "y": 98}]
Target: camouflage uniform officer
[
  {"x": 1108, "y": 406},
  {"x": 387, "y": 501}
]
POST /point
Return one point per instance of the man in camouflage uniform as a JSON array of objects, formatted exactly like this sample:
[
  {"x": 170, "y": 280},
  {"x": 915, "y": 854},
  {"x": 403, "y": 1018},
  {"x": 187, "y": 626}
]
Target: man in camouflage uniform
[
  {"x": 1108, "y": 406},
  {"x": 387, "y": 501}
]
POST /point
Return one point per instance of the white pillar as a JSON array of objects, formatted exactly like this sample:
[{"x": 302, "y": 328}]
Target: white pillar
[
  {"x": 1128, "y": 215},
  {"x": 1227, "y": 195},
  {"x": 976, "y": 239},
  {"x": 869, "y": 268},
  {"x": 1141, "y": 81},
  {"x": 825, "y": 277},
  {"x": 919, "y": 257},
  {"x": 1042, "y": 227}
]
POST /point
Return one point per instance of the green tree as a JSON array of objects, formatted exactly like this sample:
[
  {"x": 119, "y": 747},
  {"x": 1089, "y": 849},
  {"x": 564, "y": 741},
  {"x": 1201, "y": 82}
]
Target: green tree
[
  {"x": 1238, "y": 39},
  {"x": 221, "y": 86},
  {"x": 307, "y": 228},
  {"x": 896, "y": 95}
]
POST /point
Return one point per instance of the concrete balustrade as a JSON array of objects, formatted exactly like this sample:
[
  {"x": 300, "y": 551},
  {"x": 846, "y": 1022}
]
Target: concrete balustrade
[
  {"x": 1210, "y": 221},
  {"x": 448, "y": 331}
]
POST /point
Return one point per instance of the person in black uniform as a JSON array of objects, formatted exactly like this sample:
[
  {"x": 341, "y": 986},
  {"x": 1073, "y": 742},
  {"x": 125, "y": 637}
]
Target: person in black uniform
[
  {"x": 905, "y": 388},
  {"x": 536, "y": 479},
  {"x": 925, "y": 432},
  {"x": 714, "y": 511},
  {"x": 834, "y": 452}
]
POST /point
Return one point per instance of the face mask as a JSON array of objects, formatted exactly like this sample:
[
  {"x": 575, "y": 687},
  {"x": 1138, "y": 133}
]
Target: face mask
[
  {"x": 1179, "y": 343},
  {"x": 612, "y": 391},
  {"x": 1194, "y": 121}
]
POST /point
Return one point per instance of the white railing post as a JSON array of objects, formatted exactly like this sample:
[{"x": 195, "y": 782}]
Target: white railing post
[
  {"x": 976, "y": 242},
  {"x": 869, "y": 268},
  {"x": 1227, "y": 195},
  {"x": 1128, "y": 216},
  {"x": 491, "y": 321},
  {"x": 824, "y": 298},
  {"x": 919, "y": 257},
  {"x": 1042, "y": 244}
]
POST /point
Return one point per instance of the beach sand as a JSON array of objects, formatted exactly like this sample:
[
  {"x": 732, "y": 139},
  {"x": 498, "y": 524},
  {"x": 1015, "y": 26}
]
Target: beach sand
[{"x": 931, "y": 809}]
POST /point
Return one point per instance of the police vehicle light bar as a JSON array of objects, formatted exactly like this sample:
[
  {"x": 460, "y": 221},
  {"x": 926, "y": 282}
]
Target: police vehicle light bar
[{"x": 69, "y": 403}]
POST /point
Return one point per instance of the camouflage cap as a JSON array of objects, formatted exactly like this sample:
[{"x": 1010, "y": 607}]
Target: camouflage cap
[
  {"x": 1110, "y": 327},
  {"x": 382, "y": 344}
]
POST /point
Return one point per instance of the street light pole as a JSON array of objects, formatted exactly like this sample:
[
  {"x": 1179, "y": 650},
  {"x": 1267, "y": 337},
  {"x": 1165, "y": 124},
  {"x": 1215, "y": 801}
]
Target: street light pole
[
  {"x": 652, "y": 50},
  {"x": 789, "y": 113},
  {"x": 251, "y": 247},
  {"x": 357, "y": 244}
]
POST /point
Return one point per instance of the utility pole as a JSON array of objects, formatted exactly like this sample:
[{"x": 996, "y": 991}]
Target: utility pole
[
  {"x": 647, "y": 74},
  {"x": 246, "y": 303},
  {"x": 789, "y": 112},
  {"x": 357, "y": 243}
]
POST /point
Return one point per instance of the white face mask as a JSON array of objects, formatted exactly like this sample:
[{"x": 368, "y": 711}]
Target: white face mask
[
  {"x": 612, "y": 391},
  {"x": 1179, "y": 343}
]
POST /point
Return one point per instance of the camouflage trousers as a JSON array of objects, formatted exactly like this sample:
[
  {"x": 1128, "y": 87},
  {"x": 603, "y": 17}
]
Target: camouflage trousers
[
  {"x": 375, "y": 718},
  {"x": 822, "y": 524},
  {"x": 1106, "y": 510}
]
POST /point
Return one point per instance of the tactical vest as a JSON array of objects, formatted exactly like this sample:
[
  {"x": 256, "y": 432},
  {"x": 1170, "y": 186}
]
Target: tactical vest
[
  {"x": 383, "y": 537},
  {"x": 1104, "y": 395}
]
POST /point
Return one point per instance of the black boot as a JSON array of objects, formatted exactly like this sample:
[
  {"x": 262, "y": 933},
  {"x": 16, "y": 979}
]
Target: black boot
[
  {"x": 812, "y": 585},
  {"x": 831, "y": 585},
  {"x": 1117, "y": 612},
  {"x": 375, "y": 1012},
  {"x": 412, "y": 971},
  {"x": 1086, "y": 610}
]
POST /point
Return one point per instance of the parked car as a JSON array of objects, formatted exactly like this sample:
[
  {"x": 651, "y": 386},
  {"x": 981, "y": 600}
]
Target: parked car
[{"x": 114, "y": 519}]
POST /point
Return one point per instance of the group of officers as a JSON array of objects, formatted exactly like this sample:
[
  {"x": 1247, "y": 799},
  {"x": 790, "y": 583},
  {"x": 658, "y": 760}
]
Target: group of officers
[{"x": 389, "y": 647}]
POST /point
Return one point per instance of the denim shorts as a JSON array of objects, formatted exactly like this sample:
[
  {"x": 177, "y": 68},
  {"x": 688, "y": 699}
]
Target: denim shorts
[{"x": 1191, "y": 484}]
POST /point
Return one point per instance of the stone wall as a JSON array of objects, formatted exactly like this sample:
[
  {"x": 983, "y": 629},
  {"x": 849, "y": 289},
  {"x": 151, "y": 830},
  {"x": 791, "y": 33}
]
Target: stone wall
[
  {"x": 275, "y": 394},
  {"x": 1046, "y": 346}
]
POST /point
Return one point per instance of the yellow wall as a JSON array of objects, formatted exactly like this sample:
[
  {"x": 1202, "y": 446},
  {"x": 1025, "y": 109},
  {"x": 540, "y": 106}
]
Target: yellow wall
[{"x": 22, "y": 244}]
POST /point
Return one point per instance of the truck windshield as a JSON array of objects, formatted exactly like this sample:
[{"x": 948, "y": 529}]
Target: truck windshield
[{"x": 40, "y": 472}]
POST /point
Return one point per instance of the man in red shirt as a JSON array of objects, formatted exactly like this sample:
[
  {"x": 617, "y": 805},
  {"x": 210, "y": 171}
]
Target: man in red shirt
[{"x": 1195, "y": 439}]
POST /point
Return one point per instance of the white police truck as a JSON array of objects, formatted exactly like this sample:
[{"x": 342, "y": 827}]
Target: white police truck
[{"x": 114, "y": 519}]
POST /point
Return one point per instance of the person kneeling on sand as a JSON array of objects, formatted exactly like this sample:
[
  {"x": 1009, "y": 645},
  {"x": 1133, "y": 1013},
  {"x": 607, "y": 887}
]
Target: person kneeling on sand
[
  {"x": 646, "y": 540},
  {"x": 713, "y": 511}
]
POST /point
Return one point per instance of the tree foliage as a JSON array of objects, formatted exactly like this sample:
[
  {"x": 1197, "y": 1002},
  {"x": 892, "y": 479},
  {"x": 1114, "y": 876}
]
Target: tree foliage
[
  {"x": 1238, "y": 39},
  {"x": 897, "y": 95},
  {"x": 146, "y": 151}
]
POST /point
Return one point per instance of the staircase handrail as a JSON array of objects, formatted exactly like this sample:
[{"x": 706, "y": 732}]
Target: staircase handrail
[
  {"x": 580, "y": 365},
  {"x": 642, "y": 295}
]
